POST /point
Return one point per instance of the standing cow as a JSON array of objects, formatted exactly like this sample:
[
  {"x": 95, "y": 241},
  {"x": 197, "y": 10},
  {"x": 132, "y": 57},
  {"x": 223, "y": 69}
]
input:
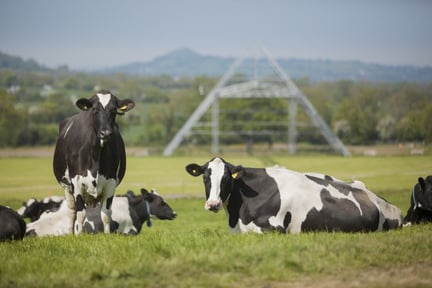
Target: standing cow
[
  {"x": 420, "y": 210},
  {"x": 89, "y": 158},
  {"x": 263, "y": 199}
]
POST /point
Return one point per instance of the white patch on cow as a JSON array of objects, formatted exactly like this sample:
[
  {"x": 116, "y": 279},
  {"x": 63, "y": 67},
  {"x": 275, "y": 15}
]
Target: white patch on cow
[
  {"x": 120, "y": 214},
  {"x": 292, "y": 186},
  {"x": 251, "y": 227},
  {"x": 217, "y": 167},
  {"x": 89, "y": 184},
  {"x": 104, "y": 99},
  {"x": 67, "y": 129},
  {"x": 51, "y": 223},
  {"x": 53, "y": 198}
]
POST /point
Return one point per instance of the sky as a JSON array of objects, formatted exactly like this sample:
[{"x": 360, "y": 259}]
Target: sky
[{"x": 91, "y": 34}]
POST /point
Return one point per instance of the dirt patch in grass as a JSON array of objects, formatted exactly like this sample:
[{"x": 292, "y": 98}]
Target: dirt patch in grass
[{"x": 417, "y": 275}]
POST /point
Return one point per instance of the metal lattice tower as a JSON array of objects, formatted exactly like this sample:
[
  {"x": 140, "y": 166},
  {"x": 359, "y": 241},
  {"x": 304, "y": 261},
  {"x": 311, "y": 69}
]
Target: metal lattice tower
[{"x": 257, "y": 89}]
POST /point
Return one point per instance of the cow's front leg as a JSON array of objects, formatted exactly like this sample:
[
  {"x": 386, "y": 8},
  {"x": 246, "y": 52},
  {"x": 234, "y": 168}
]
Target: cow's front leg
[
  {"x": 80, "y": 214},
  {"x": 106, "y": 213},
  {"x": 70, "y": 201}
]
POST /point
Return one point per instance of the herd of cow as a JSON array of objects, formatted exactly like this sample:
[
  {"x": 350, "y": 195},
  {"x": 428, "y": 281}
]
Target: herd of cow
[{"x": 90, "y": 162}]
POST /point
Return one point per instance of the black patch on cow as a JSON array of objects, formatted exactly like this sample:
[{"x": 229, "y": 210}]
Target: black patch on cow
[
  {"x": 342, "y": 187},
  {"x": 342, "y": 214},
  {"x": 287, "y": 220},
  {"x": 260, "y": 196},
  {"x": 79, "y": 202},
  {"x": 233, "y": 207},
  {"x": 94, "y": 183},
  {"x": 109, "y": 202},
  {"x": 420, "y": 210}
]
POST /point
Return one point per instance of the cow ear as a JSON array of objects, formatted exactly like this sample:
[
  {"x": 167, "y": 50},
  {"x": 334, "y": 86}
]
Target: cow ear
[
  {"x": 84, "y": 104},
  {"x": 146, "y": 195},
  {"x": 194, "y": 169},
  {"x": 125, "y": 105},
  {"x": 237, "y": 172},
  {"x": 422, "y": 183}
]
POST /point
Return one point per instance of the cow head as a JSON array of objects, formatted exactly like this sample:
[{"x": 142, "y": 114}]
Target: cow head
[
  {"x": 104, "y": 107},
  {"x": 218, "y": 177},
  {"x": 422, "y": 194},
  {"x": 158, "y": 207},
  {"x": 30, "y": 209}
]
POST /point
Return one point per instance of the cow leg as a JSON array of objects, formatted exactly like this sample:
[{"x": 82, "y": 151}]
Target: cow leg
[
  {"x": 80, "y": 214},
  {"x": 70, "y": 201},
  {"x": 106, "y": 213}
]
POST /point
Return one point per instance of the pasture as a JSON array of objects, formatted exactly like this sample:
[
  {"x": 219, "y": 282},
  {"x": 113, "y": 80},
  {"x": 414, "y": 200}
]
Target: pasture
[{"x": 197, "y": 249}]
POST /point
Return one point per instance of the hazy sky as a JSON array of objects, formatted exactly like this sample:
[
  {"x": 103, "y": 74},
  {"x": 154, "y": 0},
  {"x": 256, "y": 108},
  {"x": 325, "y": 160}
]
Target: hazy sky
[{"x": 100, "y": 33}]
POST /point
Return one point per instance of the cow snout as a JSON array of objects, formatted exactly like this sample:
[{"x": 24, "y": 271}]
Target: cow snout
[
  {"x": 104, "y": 136},
  {"x": 213, "y": 205}
]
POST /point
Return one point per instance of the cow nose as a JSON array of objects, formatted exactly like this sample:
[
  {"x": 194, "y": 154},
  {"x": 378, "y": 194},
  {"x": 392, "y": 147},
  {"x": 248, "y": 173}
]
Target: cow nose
[
  {"x": 105, "y": 134},
  {"x": 212, "y": 205}
]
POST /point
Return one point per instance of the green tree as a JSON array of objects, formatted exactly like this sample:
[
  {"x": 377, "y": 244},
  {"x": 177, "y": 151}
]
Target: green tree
[{"x": 11, "y": 120}]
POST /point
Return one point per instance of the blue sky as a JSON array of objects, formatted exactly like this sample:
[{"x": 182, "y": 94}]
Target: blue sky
[{"x": 101, "y": 33}]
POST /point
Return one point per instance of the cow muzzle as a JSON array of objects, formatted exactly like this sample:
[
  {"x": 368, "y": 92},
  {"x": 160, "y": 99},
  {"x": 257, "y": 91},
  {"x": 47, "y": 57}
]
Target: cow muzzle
[
  {"x": 104, "y": 136},
  {"x": 213, "y": 205}
]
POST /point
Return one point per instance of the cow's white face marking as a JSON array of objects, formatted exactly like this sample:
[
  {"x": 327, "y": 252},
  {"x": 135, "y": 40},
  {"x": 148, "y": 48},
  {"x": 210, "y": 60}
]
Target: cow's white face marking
[
  {"x": 217, "y": 167},
  {"x": 104, "y": 99}
]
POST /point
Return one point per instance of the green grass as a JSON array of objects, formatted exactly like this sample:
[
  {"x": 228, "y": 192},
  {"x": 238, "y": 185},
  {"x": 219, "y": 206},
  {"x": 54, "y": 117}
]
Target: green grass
[{"x": 197, "y": 250}]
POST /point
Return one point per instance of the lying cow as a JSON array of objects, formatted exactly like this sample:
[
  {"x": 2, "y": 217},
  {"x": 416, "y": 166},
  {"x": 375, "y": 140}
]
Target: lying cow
[
  {"x": 264, "y": 199},
  {"x": 420, "y": 210},
  {"x": 33, "y": 208},
  {"x": 139, "y": 208},
  {"x": 128, "y": 215},
  {"x": 12, "y": 225}
]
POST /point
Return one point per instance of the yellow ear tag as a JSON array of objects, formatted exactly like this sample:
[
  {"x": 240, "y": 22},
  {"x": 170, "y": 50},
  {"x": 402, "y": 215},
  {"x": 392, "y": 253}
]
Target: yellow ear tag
[
  {"x": 85, "y": 107},
  {"x": 124, "y": 107},
  {"x": 194, "y": 171},
  {"x": 234, "y": 175}
]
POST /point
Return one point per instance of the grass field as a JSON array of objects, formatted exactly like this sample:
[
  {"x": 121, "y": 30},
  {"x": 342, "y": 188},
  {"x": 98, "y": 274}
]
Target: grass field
[{"x": 197, "y": 250}]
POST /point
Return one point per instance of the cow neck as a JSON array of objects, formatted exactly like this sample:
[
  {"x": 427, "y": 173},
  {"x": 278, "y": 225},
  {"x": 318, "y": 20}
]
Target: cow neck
[
  {"x": 149, "y": 223},
  {"x": 143, "y": 214},
  {"x": 233, "y": 203}
]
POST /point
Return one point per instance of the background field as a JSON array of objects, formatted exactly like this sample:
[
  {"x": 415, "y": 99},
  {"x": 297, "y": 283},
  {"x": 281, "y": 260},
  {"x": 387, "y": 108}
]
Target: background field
[{"x": 197, "y": 250}]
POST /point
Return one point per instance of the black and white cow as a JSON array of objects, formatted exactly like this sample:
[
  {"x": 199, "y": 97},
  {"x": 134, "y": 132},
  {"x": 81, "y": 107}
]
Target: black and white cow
[
  {"x": 129, "y": 212},
  {"x": 264, "y": 199},
  {"x": 12, "y": 225},
  {"x": 420, "y": 210},
  {"x": 89, "y": 158},
  {"x": 33, "y": 208}
]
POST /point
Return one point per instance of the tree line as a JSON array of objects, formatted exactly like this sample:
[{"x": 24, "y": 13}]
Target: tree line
[{"x": 33, "y": 104}]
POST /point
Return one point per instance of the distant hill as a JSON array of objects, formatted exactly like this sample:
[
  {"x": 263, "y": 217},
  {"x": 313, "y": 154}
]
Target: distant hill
[
  {"x": 17, "y": 63},
  {"x": 186, "y": 62}
]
